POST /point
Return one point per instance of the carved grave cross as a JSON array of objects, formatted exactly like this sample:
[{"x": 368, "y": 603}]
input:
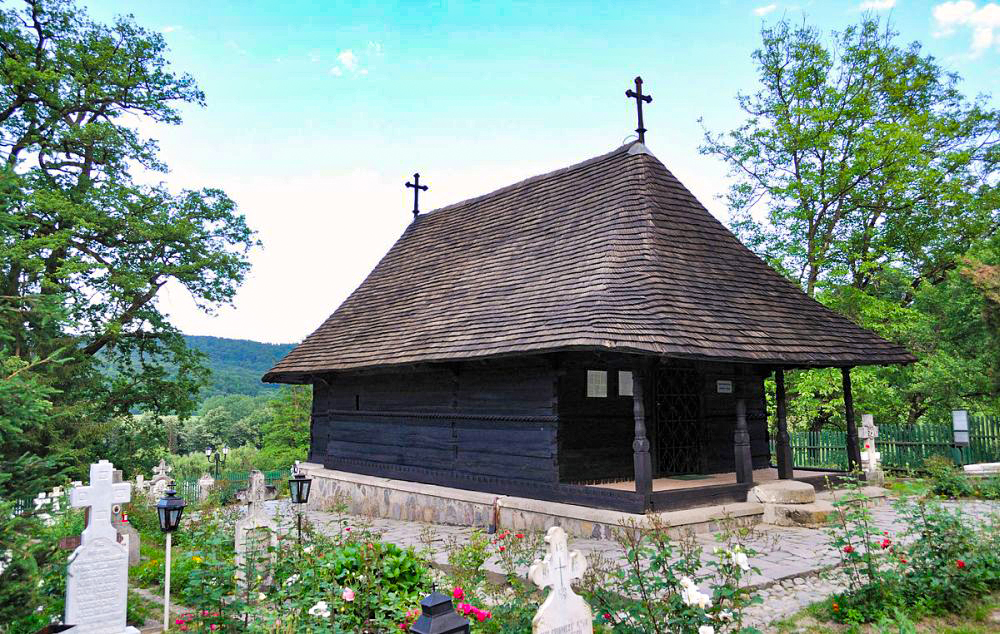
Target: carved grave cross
[
  {"x": 100, "y": 495},
  {"x": 161, "y": 471},
  {"x": 868, "y": 431},
  {"x": 563, "y": 610}
]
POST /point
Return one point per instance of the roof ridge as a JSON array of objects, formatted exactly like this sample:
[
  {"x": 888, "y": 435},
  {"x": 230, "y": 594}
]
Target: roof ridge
[{"x": 533, "y": 179}]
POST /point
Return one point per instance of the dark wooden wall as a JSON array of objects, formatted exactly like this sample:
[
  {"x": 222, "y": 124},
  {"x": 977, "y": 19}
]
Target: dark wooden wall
[
  {"x": 492, "y": 420},
  {"x": 595, "y": 434},
  {"x": 719, "y": 414}
]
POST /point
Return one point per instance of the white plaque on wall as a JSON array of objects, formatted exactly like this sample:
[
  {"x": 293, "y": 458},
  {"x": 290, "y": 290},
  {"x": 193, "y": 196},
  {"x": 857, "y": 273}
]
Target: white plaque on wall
[{"x": 724, "y": 387}]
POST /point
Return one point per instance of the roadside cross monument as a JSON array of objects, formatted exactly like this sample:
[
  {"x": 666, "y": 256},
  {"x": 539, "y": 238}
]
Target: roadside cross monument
[
  {"x": 564, "y": 611},
  {"x": 256, "y": 532},
  {"x": 97, "y": 579},
  {"x": 871, "y": 458}
]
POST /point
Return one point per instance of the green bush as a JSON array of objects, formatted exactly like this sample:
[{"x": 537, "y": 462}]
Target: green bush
[{"x": 947, "y": 480}]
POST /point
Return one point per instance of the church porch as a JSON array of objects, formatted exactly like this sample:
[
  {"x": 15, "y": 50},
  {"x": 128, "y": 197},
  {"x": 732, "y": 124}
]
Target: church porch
[{"x": 686, "y": 483}]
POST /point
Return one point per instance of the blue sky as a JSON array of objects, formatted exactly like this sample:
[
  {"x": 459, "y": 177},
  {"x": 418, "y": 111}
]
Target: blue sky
[{"x": 319, "y": 111}]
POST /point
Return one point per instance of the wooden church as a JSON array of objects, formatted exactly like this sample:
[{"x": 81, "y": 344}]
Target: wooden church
[{"x": 592, "y": 336}]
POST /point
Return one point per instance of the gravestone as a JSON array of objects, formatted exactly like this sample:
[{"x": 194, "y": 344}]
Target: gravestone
[
  {"x": 871, "y": 458},
  {"x": 205, "y": 484},
  {"x": 158, "y": 485},
  {"x": 97, "y": 578},
  {"x": 563, "y": 611},
  {"x": 256, "y": 531},
  {"x": 129, "y": 536}
]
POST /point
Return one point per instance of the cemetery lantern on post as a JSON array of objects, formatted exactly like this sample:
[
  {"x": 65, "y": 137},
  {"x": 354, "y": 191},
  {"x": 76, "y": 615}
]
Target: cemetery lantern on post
[
  {"x": 220, "y": 459},
  {"x": 169, "y": 510},
  {"x": 298, "y": 487}
]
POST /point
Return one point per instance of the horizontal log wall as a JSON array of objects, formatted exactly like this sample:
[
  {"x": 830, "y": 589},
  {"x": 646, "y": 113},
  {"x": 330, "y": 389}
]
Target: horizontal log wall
[
  {"x": 466, "y": 420},
  {"x": 719, "y": 414}
]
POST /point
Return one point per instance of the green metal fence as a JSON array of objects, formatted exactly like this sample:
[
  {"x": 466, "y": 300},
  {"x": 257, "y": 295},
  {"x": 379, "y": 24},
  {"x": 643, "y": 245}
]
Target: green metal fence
[
  {"x": 229, "y": 482},
  {"x": 901, "y": 446}
]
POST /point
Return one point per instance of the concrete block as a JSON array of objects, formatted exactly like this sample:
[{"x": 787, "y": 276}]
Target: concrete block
[{"x": 783, "y": 492}]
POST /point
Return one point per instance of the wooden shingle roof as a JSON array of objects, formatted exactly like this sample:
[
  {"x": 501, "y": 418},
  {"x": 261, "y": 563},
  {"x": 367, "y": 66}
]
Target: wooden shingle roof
[{"x": 612, "y": 254}]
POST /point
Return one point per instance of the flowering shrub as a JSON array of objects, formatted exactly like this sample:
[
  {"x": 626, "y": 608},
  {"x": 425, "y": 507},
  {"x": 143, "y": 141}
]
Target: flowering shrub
[
  {"x": 657, "y": 590},
  {"x": 937, "y": 564}
]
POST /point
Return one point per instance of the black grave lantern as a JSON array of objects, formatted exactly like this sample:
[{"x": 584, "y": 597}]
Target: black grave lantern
[
  {"x": 439, "y": 617},
  {"x": 170, "y": 509},
  {"x": 299, "y": 486}
]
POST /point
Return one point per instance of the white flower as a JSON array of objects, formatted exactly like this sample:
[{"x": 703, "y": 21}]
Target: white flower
[
  {"x": 308, "y": 549},
  {"x": 261, "y": 596},
  {"x": 742, "y": 561},
  {"x": 320, "y": 609},
  {"x": 706, "y": 629},
  {"x": 725, "y": 616},
  {"x": 289, "y": 581},
  {"x": 691, "y": 595}
]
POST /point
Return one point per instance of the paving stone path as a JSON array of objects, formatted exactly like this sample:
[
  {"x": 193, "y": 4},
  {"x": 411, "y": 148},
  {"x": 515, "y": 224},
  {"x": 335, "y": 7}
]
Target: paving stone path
[{"x": 797, "y": 566}]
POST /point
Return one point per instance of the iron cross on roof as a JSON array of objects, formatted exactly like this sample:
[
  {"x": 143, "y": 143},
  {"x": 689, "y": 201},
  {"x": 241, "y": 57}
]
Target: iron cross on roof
[
  {"x": 639, "y": 98},
  {"x": 416, "y": 193}
]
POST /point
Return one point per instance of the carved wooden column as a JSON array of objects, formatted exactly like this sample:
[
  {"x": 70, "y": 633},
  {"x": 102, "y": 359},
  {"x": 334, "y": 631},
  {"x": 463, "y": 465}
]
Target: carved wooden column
[
  {"x": 741, "y": 444},
  {"x": 783, "y": 446},
  {"x": 853, "y": 447},
  {"x": 640, "y": 446}
]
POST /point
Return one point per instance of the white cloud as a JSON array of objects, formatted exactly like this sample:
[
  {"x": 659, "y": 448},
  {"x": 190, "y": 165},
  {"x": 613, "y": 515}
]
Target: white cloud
[
  {"x": 764, "y": 10},
  {"x": 984, "y": 23},
  {"x": 375, "y": 47},
  {"x": 348, "y": 59},
  {"x": 877, "y": 5},
  {"x": 336, "y": 72},
  {"x": 170, "y": 28}
]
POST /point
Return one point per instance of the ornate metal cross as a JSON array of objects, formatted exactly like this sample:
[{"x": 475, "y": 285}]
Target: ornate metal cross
[
  {"x": 416, "y": 193},
  {"x": 639, "y": 98}
]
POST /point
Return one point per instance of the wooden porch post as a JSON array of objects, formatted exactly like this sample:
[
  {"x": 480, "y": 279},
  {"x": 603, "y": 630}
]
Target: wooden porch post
[
  {"x": 741, "y": 443},
  {"x": 783, "y": 445},
  {"x": 853, "y": 448},
  {"x": 640, "y": 446}
]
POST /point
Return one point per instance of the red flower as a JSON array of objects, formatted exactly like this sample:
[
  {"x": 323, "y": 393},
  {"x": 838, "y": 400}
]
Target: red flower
[
  {"x": 502, "y": 548},
  {"x": 903, "y": 559},
  {"x": 519, "y": 536},
  {"x": 960, "y": 564},
  {"x": 458, "y": 593},
  {"x": 885, "y": 543},
  {"x": 607, "y": 616},
  {"x": 848, "y": 549}
]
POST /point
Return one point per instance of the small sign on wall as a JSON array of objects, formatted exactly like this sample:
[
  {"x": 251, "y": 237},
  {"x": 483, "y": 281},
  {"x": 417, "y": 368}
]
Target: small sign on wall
[{"x": 724, "y": 387}]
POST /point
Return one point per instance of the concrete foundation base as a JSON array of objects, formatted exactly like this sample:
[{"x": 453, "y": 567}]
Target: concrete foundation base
[
  {"x": 413, "y": 501},
  {"x": 416, "y": 502}
]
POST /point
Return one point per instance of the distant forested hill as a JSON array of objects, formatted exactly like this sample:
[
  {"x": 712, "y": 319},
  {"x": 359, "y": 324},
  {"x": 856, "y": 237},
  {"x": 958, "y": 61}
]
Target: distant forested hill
[{"x": 238, "y": 364}]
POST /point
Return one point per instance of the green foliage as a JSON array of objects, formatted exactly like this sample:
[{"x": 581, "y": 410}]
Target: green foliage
[
  {"x": 286, "y": 432},
  {"x": 938, "y": 564},
  {"x": 85, "y": 247},
  {"x": 656, "y": 590},
  {"x": 878, "y": 178},
  {"x": 946, "y": 479},
  {"x": 237, "y": 364}
]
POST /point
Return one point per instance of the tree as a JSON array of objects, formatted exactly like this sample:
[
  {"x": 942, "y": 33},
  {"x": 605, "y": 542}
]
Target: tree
[
  {"x": 286, "y": 435},
  {"x": 77, "y": 230},
  {"x": 877, "y": 180},
  {"x": 866, "y": 155}
]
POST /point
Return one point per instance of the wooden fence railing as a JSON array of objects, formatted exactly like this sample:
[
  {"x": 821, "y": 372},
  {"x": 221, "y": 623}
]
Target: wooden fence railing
[{"x": 901, "y": 446}]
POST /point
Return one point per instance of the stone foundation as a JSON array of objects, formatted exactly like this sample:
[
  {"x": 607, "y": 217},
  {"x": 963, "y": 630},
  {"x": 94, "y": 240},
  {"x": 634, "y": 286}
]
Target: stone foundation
[{"x": 413, "y": 501}]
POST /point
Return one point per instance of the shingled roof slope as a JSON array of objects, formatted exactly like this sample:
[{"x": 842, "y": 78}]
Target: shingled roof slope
[{"x": 613, "y": 253}]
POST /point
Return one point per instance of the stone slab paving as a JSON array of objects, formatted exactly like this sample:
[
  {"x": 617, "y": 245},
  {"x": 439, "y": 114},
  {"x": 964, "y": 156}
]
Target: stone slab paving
[{"x": 797, "y": 565}]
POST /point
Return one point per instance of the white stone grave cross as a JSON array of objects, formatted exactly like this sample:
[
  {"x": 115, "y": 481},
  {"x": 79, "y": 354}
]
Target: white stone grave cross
[
  {"x": 97, "y": 580},
  {"x": 870, "y": 456},
  {"x": 255, "y": 531},
  {"x": 564, "y": 611}
]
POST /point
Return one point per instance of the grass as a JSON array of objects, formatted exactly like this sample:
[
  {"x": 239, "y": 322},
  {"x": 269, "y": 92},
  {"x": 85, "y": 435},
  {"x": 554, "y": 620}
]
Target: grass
[{"x": 980, "y": 617}]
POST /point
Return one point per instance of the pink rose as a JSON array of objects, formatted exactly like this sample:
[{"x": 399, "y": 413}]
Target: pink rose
[
  {"x": 458, "y": 593},
  {"x": 347, "y": 595}
]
